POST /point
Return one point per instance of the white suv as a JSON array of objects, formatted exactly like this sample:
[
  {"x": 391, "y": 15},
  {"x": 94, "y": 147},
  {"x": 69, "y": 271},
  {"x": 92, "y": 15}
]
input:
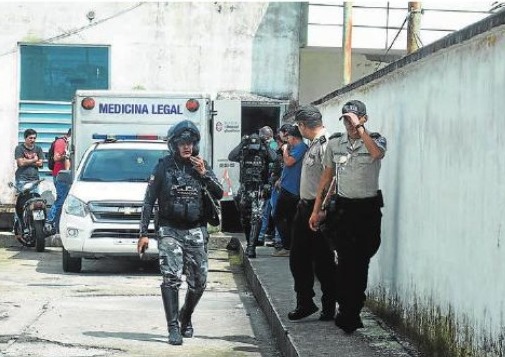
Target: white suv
[{"x": 101, "y": 215}]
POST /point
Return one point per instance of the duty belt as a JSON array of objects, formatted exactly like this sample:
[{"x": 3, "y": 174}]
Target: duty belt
[
  {"x": 306, "y": 202},
  {"x": 375, "y": 200}
]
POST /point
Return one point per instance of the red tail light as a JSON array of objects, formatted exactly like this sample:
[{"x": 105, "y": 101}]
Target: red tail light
[
  {"x": 88, "y": 103},
  {"x": 192, "y": 105}
]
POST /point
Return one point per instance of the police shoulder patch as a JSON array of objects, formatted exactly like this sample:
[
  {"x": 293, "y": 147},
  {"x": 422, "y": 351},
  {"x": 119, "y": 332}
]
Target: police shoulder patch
[
  {"x": 335, "y": 135},
  {"x": 322, "y": 139}
]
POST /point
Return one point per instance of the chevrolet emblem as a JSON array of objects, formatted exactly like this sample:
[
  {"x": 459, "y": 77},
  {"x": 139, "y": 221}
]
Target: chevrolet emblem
[{"x": 127, "y": 210}]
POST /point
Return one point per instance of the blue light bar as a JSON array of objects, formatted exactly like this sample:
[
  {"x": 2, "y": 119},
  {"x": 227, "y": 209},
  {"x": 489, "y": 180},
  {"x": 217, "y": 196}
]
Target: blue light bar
[{"x": 128, "y": 137}]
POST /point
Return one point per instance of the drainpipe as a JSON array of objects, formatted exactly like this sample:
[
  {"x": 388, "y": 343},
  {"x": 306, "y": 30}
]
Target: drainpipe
[
  {"x": 347, "y": 43},
  {"x": 413, "y": 27}
]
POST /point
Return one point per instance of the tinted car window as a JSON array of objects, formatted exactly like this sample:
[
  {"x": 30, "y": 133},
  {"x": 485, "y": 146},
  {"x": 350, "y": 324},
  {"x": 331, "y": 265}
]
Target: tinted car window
[{"x": 124, "y": 165}]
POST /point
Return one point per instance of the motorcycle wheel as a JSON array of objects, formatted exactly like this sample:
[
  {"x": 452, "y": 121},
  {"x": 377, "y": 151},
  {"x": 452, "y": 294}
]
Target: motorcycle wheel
[
  {"x": 70, "y": 265},
  {"x": 40, "y": 237}
]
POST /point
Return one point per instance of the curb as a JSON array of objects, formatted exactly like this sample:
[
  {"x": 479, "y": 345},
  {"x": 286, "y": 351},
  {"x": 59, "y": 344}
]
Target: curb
[
  {"x": 7, "y": 240},
  {"x": 280, "y": 332}
]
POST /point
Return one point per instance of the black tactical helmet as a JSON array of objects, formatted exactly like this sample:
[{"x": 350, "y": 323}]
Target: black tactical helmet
[{"x": 185, "y": 131}]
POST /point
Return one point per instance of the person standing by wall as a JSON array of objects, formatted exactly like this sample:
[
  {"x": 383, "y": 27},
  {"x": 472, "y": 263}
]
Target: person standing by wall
[
  {"x": 177, "y": 183},
  {"x": 29, "y": 158},
  {"x": 357, "y": 208},
  {"x": 310, "y": 252},
  {"x": 289, "y": 183},
  {"x": 62, "y": 183}
]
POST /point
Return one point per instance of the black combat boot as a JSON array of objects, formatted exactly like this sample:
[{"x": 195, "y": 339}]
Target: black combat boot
[
  {"x": 192, "y": 298},
  {"x": 329, "y": 308},
  {"x": 349, "y": 322},
  {"x": 250, "y": 250},
  {"x": 304, "y": 308},
  {"x": 171, "y": 304}
]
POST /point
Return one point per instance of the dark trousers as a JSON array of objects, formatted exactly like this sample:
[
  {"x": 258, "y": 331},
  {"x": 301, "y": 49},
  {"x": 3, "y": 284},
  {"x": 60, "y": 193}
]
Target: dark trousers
[
  {"x": 356, "y": 239},
  {"x": 310, "y": 254},
  {"x": 284, "y": 215}
]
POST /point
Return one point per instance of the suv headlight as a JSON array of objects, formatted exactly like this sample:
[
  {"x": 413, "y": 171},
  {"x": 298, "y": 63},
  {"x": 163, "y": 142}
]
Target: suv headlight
[{"x": 75, "y": 206}]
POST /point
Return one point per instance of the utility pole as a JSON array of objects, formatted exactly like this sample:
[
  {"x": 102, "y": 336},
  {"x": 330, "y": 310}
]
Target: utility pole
[
  {"x": 414, "y": 26},
  {"x": 347, "y": 43}
]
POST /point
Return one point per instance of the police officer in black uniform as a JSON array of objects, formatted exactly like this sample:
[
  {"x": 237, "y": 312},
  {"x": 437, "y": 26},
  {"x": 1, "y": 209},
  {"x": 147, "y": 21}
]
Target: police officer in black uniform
[
  {"x": 254, "y": 156},
  {"x": 354, "y": 159},
  {"x": 176, "y": 183}
]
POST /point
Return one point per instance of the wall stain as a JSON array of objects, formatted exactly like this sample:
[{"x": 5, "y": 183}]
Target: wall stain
[{"x": 436, "y": 331}]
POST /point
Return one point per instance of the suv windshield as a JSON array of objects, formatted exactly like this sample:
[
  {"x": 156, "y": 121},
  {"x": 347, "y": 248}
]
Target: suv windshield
[{"x": 127, "y": 165}]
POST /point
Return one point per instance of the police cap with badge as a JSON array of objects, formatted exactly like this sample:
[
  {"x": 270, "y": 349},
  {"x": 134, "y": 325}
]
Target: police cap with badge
[{"x": 354, "y": 106}]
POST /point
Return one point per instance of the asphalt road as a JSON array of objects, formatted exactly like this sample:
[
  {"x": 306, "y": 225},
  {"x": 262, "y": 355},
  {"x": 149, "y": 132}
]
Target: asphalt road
[{"x": 114, "y": 308}]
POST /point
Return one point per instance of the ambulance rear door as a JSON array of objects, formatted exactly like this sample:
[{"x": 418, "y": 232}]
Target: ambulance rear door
[{"x": 226, "y": 135}]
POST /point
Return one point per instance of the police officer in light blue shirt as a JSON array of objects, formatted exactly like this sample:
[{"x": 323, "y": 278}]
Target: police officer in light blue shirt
[{"x": 354, "y": 160}]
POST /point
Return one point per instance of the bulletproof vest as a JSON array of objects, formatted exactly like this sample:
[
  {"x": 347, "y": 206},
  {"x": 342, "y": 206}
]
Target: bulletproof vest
[
  {"x": 253, "y": 167},
  {"x": 183, "y": 195}
]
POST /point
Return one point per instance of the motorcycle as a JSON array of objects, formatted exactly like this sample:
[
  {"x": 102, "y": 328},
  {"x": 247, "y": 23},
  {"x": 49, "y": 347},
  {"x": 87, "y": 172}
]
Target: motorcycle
[{"x": 30, "y": 215}]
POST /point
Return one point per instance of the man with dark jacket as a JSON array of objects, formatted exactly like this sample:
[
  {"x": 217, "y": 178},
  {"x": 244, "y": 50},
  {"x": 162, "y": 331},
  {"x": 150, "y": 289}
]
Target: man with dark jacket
[{"x": 177, "y": 183}]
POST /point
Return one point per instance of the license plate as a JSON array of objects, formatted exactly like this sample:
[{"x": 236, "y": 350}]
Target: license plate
[
  {"x": 39, "y": 215},
  {"x": 126, "y": 241}
]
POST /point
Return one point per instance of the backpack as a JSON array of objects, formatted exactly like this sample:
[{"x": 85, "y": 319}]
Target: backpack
[{"x": 50, "y": 154}]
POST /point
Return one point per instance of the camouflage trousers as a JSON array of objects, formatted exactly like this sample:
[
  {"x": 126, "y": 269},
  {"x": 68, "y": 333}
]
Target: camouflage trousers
[{"x": 183, "y": 251}]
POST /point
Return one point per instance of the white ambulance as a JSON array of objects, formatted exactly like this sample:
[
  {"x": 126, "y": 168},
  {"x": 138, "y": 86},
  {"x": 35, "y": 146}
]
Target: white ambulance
[{"x": 117, "y": 138}]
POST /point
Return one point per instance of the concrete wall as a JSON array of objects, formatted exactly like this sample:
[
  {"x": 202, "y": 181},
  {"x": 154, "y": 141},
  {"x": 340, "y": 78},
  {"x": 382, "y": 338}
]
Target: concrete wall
[
  {"x": 177, "y": 47},
  {"x": 321, "y": 69},
  {"x": 441, "y": 265}
]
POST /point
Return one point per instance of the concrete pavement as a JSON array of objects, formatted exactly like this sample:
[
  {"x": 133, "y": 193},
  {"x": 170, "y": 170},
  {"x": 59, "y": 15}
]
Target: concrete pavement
[
  {"x": 114, "y": 308},
  {"x": 271, "y": 281}
]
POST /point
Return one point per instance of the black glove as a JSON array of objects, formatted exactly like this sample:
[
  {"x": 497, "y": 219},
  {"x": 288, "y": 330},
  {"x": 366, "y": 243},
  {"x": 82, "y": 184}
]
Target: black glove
[{"x": 266, "y": 191}]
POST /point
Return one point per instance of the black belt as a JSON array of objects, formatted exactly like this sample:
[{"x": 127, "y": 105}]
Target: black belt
[
  {"x": 375, "y": 200},
  {"x": 306, "y": 202}
]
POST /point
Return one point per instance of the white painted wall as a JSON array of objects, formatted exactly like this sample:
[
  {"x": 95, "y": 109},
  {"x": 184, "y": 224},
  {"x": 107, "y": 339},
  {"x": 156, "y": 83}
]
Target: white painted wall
[
  {"x": 443, "y": 178},
  {"x": 321, "y": 70},
  {"x": 201, "y": 47}
]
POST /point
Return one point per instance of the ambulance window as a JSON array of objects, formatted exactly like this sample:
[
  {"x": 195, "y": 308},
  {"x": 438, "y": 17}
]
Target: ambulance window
[{"x": 120, "y": 165}]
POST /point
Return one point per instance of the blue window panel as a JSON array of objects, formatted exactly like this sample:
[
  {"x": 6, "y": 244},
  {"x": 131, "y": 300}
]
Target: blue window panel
[
  {"x": 49, "y": 119},
  {"x": 50, "y": 75},
  {"x": 55, "y": 72}
]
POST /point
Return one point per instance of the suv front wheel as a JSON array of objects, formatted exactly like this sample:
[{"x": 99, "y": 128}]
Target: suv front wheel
[{"x": 70, "y": 265}]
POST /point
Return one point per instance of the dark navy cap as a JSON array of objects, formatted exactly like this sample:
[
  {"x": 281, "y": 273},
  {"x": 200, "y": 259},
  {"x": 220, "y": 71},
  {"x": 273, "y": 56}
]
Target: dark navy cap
[
  {"x": 308, "y": 115},
  {"x": 354, "y": 106}
]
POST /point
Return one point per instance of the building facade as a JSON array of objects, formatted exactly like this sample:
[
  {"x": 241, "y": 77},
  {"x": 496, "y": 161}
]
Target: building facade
[{"x": 51, "y": 49}]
